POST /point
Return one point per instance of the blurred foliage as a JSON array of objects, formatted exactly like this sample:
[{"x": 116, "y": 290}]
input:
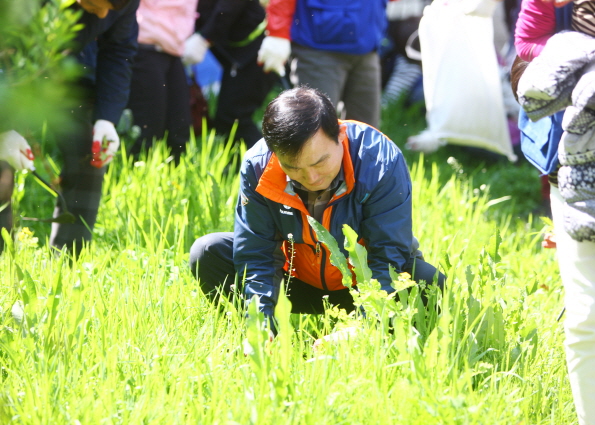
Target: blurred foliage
[{"x": 34, "y": 63}]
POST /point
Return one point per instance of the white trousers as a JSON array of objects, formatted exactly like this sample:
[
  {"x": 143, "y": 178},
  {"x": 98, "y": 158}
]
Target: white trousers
[{"x": 577, "y": 268}]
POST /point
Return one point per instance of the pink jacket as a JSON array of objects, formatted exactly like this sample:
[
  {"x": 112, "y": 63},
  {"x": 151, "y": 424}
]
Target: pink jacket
[
  {"x": 535, "y": 25},
  {"x": 166, "y": 23}
]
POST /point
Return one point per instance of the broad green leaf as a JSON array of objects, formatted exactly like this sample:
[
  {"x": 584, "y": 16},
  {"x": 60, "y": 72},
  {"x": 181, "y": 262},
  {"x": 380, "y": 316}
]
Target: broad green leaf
[
  {"x": 494, "y": 247},
  {"x": 256, "y": 335},
  {"x": 337, "y": 258},
  {"x": 358, "y": 255},
  {"x": 54, "y": 298},
  {"x": 8, "y": 244}
]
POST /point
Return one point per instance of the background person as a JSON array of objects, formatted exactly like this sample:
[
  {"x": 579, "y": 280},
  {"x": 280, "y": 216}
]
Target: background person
[
  {"x": 335, "y": 49},
  {"x": 105, "y": 47},
  {"x": 311, "y": 164},
  {"x": 234, "y": 30},
  {"x": 538, "y": 21},
  {"x": 401, "y": 74},
  {"x": 15, "y": 154},
  {"x": 159, "y": 92}
]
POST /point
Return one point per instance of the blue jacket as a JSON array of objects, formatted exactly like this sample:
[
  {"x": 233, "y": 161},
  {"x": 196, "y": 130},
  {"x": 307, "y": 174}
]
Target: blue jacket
[
  {"x": 374, "y": 200},
  {"x": 344, "y": 26},
  {"x": 106, "y": 48},
  {"x": 540, "y": 139}
]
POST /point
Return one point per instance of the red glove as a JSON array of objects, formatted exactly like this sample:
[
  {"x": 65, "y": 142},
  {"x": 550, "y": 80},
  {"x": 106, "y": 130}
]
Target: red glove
[{"x": 105, "y": 143}]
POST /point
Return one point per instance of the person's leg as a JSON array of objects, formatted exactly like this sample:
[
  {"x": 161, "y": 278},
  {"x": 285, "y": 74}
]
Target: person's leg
[
  {"x": 361, "y": 92},
  {"x": 577, "y": 269},
  {"x": 6, "y": 189},
  {"x": 239, "y": 97},
  {"x": 403, "y": 78},
  {"x": 178, "y": 108},
  {"x": 325, "y": 71},
  {"x": 80, "y": 182},
  {"x": 211, "y": 262},
  {"x": 308, "y": 299},
  {"x": 148, "y": 97}
]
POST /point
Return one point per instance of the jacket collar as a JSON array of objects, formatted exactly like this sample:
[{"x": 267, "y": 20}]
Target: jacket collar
[{"x": 273, "y": 183}]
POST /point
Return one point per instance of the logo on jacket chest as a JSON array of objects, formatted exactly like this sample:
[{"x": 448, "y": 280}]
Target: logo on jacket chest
[{"x": 284, "y": 210}]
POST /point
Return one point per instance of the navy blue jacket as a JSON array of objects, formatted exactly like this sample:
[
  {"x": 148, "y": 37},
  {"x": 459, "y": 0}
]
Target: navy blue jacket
[
  {"x": 374, "y": 200},
  {"x": 106, "y": 48}
]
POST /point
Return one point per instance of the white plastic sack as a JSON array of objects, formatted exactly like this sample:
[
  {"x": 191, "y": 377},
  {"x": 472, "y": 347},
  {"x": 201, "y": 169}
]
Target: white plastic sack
[{"x": 462, "y": 86}]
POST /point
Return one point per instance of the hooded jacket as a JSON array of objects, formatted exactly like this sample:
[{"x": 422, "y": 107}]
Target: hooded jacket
[{"x": 374, "y": 200}]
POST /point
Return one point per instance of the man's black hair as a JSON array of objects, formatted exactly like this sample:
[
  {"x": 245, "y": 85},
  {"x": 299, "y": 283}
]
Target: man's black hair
[
  {"x": 293, "y": 117},
  {"x": 119, "y": 4}
]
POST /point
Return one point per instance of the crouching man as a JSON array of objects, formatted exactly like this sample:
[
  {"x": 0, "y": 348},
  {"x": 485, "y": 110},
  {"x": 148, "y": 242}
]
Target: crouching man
[{"x": 311, "y": 164}]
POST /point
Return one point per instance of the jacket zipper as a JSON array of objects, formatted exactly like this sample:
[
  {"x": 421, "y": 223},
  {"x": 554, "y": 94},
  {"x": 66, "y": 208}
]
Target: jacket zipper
[
  {"x": 321, "y": 259},
  {"x": 322, "y": 253}
]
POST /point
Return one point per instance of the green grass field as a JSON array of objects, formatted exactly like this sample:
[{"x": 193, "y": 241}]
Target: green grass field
[{"x": 123, "y": 335}]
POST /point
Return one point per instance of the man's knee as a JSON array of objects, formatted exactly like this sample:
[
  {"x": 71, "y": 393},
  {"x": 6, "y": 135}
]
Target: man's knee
[
  {"x": 211, "y": 262},
  {"x": 204, "y": 249},
  {"x": 197, "y": 252}
]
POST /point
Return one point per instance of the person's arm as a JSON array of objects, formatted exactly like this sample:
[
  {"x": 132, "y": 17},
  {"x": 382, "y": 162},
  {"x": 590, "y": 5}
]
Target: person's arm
[
  {"x": 116, "y": 50},
  {"x": 279, "y": 18},
  {"x": 387, "y": 224},
  {"x": 257, "y": 244},
  {"x": 276, "y": 46},
  {"x": 535, "y": 25},
  {"x": 217, "y": 26}
]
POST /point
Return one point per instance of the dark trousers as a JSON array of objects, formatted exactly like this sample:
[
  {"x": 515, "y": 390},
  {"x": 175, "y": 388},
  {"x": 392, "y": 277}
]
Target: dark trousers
[
  {"x": 80, "y": 183},
  {"x": 242, "y": 93},
  {"x": 160, "y": 101},
  {"x": 211, "y": 261}
]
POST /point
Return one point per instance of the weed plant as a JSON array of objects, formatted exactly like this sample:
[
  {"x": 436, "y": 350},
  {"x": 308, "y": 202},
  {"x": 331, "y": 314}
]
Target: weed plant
[{"x": 123, "y": 335}]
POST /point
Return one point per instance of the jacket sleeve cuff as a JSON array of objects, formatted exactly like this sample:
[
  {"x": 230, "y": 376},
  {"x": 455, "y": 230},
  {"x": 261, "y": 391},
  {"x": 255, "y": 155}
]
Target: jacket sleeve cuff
[{"x": 279, "y": 32}]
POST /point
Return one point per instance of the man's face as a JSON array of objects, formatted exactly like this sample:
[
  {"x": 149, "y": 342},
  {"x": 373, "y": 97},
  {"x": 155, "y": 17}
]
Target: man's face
[
  {"x": 318, "y": 163},
  {"x": 97, "y": 7}
]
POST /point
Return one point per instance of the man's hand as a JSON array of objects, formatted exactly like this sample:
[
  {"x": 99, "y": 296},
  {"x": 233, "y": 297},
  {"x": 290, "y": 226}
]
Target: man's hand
[
  {"x": 195, "y": 49},
  {"x": 105, "y": 143},
  {"x": 273, "y": 53},
  {"x": 333, "y": 338},
  {"x": 15, "y": 150}
]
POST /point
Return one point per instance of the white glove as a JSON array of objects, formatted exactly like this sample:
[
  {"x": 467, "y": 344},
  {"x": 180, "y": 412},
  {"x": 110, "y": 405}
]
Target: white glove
[
  {"x": 105, "y": 143},
  {"x": 273, "y": 53},
  {"x": 15, "y": 150},
  {"x": 195, "y": 49}
]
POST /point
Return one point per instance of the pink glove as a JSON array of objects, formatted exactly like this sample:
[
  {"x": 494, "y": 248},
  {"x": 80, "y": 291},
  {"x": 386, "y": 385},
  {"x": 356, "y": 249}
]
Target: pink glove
[
  {"x": 105, "y": 143},
  {"x": 273, "y": 53},
  {"x": 15, "y": 150}
]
